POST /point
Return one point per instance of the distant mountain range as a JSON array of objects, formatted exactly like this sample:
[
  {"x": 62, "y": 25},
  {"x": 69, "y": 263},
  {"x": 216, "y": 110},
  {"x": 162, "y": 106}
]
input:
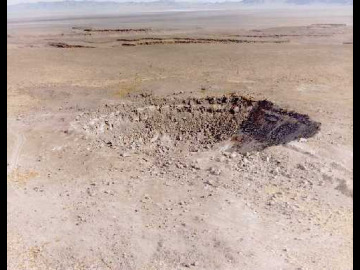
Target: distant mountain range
[{"x": 297, "y": 2}]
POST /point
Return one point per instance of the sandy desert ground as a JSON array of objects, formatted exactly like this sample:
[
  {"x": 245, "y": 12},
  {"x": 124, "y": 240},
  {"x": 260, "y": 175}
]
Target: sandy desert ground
[{"x": 201, "y": 140}]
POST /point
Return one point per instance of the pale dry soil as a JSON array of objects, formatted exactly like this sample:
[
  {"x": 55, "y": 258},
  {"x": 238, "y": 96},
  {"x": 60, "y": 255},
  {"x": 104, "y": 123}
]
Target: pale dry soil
[{"x": 83, "y": 193}]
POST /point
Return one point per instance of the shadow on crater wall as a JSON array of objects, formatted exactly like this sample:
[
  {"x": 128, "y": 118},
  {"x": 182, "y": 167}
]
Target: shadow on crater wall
[{"x": 268, "y": 125}]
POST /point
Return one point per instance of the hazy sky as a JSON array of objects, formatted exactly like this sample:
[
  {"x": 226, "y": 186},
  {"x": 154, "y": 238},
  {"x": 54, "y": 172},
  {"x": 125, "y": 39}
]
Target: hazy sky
[{"x": 11, "y": 2}]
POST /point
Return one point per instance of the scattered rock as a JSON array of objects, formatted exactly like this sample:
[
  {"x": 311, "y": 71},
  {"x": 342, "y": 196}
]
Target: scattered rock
[
  {"x": 195, "y": 166},
  {"x": 215, "y": 171},
  {"x": 301, "y": 167},
  {"x": 233, "y": 155}
]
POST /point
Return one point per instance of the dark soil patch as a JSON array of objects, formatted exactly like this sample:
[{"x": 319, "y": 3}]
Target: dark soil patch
[
  {"x": 124, "y": 30},
  {"x": 164, "y": 41},
  {"x": 67, "y": 46}
]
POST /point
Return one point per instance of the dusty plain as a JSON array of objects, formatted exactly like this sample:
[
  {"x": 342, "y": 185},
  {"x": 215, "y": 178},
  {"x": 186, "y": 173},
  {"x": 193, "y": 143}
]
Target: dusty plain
[{"x": 84, "y": 194}]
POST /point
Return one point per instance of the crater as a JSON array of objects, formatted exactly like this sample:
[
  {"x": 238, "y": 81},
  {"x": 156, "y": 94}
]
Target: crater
[{"x": 240, "y": 123}]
